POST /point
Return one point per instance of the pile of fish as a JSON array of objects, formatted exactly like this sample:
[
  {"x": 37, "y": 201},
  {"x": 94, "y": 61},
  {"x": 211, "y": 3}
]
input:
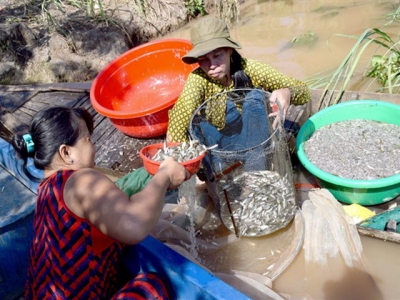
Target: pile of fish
[
  {"x": 182, "y": 152},
  {"x": 362, "y": 149},
  {"x": 261, "y": 202}
]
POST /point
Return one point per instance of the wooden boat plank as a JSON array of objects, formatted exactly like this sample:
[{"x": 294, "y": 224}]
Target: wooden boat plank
[
  {"x": 123, "y": 153},
  {"x": 37, "y": 101},
  {"x": 130, "y": 159},
  {"x": 380, "y": 234},
  {"x": 85, "y": 103},
  {"x": 102, "y": 129},
  {"x": 10, "y": 125},
  {"x": 58, "y": 98},
  {"x": 35, "y": 106},
  {"x": 347, "y": 96},
  {"x": 82, "y": 100},
  {"x": 13, "y": 101},
  {"x": 383, "y": 224},
  {"x": 24, "y": 114},
  {"x": 97, "y": 118},
  {"x": 107, "y": 149},
  {"x": 108, "y": 141},
  {"x": 83, "y": 87}
]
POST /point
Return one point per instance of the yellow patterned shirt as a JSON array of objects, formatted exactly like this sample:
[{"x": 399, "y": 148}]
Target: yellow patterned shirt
[{"x": 199, "y": 87}]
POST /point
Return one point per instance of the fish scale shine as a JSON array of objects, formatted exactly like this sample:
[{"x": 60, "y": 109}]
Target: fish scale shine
[
  {"x": 181, "y": 153},
  {"x": 264, "y": 205}
]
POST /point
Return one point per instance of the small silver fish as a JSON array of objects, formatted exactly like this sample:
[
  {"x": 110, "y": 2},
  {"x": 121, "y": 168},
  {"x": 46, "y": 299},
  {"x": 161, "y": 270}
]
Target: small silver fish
[
  {"x": 261, "y": 202},
  {"x": 181, "y": 153}
]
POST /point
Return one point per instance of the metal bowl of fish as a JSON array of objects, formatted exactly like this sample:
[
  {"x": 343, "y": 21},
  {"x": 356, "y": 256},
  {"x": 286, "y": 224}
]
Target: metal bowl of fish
[{"x": 188, "y": 155}]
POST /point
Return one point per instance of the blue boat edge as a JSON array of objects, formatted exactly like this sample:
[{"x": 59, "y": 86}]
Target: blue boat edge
[{"x": 187, "y": 279}]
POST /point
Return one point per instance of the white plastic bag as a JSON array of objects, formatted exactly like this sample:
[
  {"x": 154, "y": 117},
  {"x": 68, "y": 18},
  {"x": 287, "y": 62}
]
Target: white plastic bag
[{"x": 329, "y": 230}]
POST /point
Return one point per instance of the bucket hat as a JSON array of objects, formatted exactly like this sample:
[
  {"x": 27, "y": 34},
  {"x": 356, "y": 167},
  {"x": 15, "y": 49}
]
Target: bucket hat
[{"x": 207, "y": 36}]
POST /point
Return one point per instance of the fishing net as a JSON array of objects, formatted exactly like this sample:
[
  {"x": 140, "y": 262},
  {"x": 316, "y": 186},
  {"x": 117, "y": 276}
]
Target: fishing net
[
  {"x": 192, "y": 227},
  {"x": 190, "y": 224},
  {"x": 249, "y": 172},
  {"x": 316, "y": 256}
]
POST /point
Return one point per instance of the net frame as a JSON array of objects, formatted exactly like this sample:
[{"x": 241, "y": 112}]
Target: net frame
[
  {"x": 277, "y": 133},
  {"x": 274, "y": 149}
]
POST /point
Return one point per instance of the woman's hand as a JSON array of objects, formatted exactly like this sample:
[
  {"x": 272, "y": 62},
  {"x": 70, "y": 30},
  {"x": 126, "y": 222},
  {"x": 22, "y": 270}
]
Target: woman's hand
[
  {"x": 175, "y": 171},
  {"x": 282, "y": 96}
]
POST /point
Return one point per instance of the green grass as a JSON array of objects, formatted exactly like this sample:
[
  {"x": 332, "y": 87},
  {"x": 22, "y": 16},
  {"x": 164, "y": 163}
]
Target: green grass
[
  {"x": 383, "y": 68},
  {"x": 103, "y": 12}
]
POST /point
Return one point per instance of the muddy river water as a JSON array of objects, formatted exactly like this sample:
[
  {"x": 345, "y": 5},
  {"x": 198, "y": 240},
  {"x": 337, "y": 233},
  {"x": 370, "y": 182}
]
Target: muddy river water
[{"x": 265, "y": 29}]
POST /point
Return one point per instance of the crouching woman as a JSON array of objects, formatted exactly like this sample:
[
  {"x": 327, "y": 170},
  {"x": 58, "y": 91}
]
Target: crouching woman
[{"x": 82, "y": 219}]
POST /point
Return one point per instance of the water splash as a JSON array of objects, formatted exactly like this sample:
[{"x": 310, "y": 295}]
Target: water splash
[{"x": 187, "y": 190}]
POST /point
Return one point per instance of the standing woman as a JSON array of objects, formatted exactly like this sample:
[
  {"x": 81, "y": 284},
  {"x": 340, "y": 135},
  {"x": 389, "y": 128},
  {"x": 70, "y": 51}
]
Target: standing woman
[{"x": 82, "y": 219}]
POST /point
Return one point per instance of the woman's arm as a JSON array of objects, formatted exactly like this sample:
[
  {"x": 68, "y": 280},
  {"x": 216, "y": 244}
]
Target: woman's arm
[
  {"x": 285, "y": 89},
  {"x": 91, "y": 195}
]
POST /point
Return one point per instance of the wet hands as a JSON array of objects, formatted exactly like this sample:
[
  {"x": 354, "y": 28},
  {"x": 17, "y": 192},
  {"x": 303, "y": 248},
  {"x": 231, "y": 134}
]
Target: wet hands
[
  {"x": 283, "y": 97},
  {"x": 175, "y": 171}
]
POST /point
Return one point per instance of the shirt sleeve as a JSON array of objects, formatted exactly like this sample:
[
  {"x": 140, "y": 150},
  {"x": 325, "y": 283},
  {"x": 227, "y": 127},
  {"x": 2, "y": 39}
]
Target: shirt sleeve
[
  {"x": 270, "y": 79},
  {"x": 179, "y": 116}
]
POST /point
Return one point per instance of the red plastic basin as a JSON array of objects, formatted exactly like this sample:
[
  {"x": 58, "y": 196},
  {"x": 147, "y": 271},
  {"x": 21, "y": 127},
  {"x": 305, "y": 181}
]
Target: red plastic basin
[
  {"x": 137, "y": 89},
  {"x": 152, "y": 166}
]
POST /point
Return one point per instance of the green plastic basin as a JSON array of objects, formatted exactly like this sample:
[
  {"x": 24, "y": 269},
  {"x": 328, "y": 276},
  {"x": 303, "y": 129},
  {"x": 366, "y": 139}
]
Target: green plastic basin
[{"x": 363, "y": 192}]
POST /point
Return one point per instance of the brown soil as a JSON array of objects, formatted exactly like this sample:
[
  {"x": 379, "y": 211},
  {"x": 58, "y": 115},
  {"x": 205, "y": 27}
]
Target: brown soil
[{"x": 70, "y": 46}]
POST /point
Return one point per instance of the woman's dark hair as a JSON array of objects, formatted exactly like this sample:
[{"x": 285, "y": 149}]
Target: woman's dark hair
[
  {"x": 239, "y": 77},
  {"x": 49, "y": 129}
]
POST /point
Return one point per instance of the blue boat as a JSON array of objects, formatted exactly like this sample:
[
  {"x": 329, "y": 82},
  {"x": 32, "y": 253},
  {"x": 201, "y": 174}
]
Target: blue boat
[{"x": 16, "y": 231}]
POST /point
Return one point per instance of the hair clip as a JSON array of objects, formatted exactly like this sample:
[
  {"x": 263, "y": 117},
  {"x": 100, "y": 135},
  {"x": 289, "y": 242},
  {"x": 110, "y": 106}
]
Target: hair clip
[{"x": 30, "y": 145}]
